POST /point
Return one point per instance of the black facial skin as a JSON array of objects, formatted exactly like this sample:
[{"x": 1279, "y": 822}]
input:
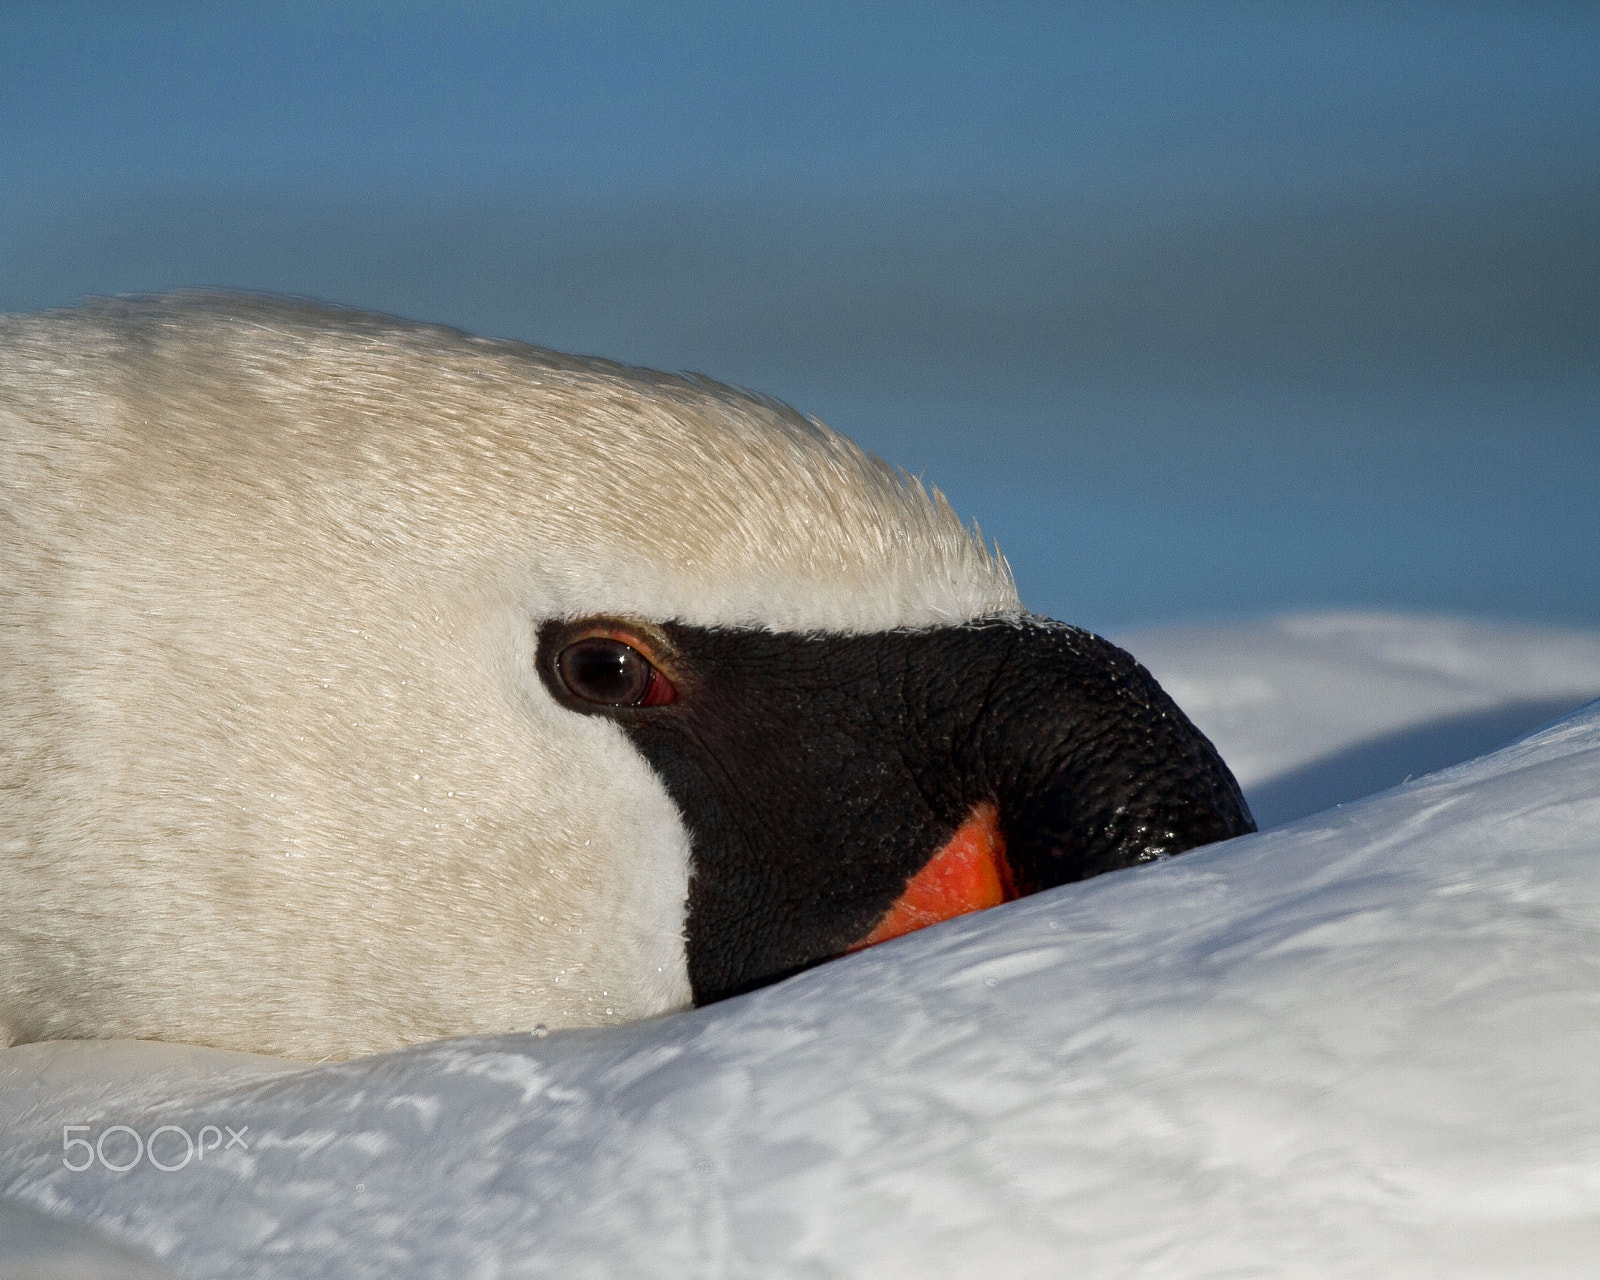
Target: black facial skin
[{"x": 817, "y": 774}]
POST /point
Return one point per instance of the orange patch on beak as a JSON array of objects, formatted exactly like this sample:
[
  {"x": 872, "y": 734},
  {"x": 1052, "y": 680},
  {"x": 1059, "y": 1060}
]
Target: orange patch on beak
[{"x": 968, "y": 874}]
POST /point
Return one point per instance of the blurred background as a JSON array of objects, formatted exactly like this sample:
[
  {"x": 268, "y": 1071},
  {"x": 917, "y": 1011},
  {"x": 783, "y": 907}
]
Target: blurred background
[{"x": 1200, "y": 310}]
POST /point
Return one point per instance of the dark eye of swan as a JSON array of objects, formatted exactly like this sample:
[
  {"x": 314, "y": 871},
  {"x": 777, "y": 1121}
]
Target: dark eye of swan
[{"x": 612, "y": 674}]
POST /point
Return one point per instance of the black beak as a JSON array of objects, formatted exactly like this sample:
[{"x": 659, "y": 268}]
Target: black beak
[
  {"x": 820, "y": 774},
  {"x": 1093, "y": 766}
]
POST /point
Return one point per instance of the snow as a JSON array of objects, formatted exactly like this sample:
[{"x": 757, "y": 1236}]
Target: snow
[
  {"x": 1366, "y": 1043},
  {"x": 37, "y": 1246},
  {"x": 1313, "y": 709}
]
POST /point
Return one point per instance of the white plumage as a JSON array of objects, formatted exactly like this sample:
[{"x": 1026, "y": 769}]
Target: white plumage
[{"x": 279, "y": 774}]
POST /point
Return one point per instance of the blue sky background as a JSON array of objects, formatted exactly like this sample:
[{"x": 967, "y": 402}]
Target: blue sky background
[{"x": 1200, "y": 309}]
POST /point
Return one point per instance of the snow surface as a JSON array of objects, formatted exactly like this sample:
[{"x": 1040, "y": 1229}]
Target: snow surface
[
  {"x": 1313, "y": 709},
  {"x": 1363, "y": 1044}
]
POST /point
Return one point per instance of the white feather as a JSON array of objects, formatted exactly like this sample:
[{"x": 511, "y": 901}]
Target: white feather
[{"x": 279, "y": 773}]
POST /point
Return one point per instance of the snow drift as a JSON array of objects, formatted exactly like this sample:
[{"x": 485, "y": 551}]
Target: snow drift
[
  {"x": 1313, "y": 709},
  {"x": 1363, "y": 1044}
]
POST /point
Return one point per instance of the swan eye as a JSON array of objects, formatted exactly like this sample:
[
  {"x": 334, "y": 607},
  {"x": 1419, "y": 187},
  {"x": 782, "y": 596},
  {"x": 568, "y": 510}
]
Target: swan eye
[{"x": 612, "y": 674}]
